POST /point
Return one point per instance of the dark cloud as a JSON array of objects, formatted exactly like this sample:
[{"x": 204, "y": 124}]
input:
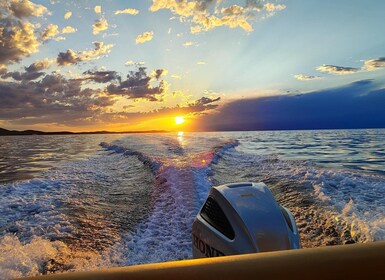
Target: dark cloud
[
  {"x": 101, "y": 76},
  {"x": 53, "y": 99},
  {"x": 200, "y": 106},
  {"x": 357, "y": 105},
  {"x": 23, "y": 76},
  {"x": 67, "y": 58},
  {"x": 32, "y": 72},
  {"x": 204, "y": 104},
  {"x": 159, "y": 73},
  {"x": 138, "y": 85},
  {"x": 70, "y": 57},
  {"x": 34, "y": 97}
]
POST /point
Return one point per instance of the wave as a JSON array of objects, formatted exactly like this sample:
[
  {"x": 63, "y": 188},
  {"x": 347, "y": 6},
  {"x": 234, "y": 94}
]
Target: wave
[
  {"x": 41, "y": 256},
  {"x": 80, "y": 210},
  {"x": 331, "y": 206},
  {"x": 182, "y": 182},
  {"x": 115, "y": 208}
]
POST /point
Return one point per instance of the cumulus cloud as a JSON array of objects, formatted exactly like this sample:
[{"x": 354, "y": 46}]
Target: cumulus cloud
[
  {"x": 101, "y": 76},
  {"x": 144, "y": 37},
  {"x": 159, "y": 73},
  {"x": 70, "y": 57},
  {"x": 128, "y": 11},
  {"x": 68, "y": 29},
  {"x": 18, "y": 36},
  {"x": 374, "y": 64},
  {"x": 67, "y": 14},
  {"x": 302, "y": 77},
  {"x": 138, "y": 85},
  {"x": 26, "y": 8},
  {"x": 98, "y": 9},
  {"x": 337, "y": 70},
  {"x": 32, "y": 72},
  {"x": 40, "y": 65},
  {"x": 50, "y": 32},
  {"x": 206, "y": 15},
  {"x": 17, "y": 40},
  {"x": 52, "y": 99},
  {"x": 99, "y": 26}
]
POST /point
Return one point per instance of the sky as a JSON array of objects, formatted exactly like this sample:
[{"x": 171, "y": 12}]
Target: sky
[{"x": 124, "y": 65}]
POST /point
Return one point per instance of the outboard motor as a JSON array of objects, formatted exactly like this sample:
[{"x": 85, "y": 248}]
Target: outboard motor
[{"x": 242, "y": 218}]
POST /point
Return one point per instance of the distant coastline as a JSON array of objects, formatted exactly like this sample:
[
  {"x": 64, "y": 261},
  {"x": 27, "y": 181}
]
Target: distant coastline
[{"x": 6, "y": 132}]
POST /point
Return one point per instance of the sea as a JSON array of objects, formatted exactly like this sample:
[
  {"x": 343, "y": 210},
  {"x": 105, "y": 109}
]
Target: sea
[{"x": 82, "y": 202}]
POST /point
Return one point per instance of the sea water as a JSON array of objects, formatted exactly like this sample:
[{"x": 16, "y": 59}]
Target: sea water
[{"x": 81, "y": 202}]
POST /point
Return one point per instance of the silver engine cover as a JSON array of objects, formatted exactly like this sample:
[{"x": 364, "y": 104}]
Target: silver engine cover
[{"x": 242, "y": 218}]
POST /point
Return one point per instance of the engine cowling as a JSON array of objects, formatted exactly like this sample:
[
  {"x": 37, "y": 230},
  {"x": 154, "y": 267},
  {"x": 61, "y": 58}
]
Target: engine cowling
[{"x": 242, "y": 218}]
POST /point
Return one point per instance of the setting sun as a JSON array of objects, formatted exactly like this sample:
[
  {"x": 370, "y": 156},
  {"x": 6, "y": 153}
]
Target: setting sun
[{"x": 179, "y": 120}]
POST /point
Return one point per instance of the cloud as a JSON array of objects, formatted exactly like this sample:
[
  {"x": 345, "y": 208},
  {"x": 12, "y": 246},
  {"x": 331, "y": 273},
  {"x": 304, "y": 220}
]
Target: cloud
[
  {"x": 19, "y": 37},
  {"x": 128, "y": 11},
  {"x": 356, "y": 105},
  {"x": 204, "y": 104},
  {"x": 144, "y": 37},
  {"x": 98, "y": 9},
  {"x": 17, "y": 40},
  {"x": 39, "y": 65},
  {"x": 68, "y": 29},
  {"x": 101, "y": 76},
  {"x": 302, "y": 77},
  {"x": 176, "y": 77},
  {"x": 337, "y": 70},
  {"x": 70, "y": 57},
  {"x": 206, "y": 15},
  {"x": 25, "y": 8},
  {"x": 32, "y": 72},
  {"x": 374, "y": 64},
  {"x": 53, "y": 99},
  {"x": 50, "y": 32},
  {"x": 273, "y": 8},
  {"x": 131, "y": 62},
  {"x": 99, "y": 26},
  {"x": 3, "y": 70},
  {"x": 188, "y": 44},
  {"x": 201, "y": 63},
  {"x": 67, "y": 14},
  {"x": 158, "y": 73},
  {"x": 138, "y": 85}
]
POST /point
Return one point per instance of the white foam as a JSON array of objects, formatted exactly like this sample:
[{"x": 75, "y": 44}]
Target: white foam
[
  {"x": 41, "y": 256},
  {"x": 359, "y": 200},
  {"x": 165, "y": 235},
  {"x": 356, "y": 200}
]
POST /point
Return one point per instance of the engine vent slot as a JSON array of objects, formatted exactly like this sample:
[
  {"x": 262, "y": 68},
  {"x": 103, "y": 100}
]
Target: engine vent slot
[{"x": 213, "y": 214}]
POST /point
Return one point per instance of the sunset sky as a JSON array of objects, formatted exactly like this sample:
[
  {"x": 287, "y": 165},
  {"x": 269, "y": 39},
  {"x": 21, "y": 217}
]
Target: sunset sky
[{"x": 221, "y": 65}]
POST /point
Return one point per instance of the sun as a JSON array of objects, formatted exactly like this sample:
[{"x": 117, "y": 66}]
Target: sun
[{"x": 179, "y": 120}]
